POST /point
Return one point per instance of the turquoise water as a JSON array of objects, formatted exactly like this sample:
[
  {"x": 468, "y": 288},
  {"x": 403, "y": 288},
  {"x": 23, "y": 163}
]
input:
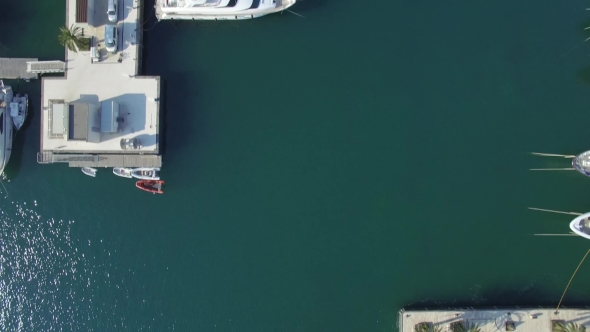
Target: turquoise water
[{"x": 322, "y": 173}]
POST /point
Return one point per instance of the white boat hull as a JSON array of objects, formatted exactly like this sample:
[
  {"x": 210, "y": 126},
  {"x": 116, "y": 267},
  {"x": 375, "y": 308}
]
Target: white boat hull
[
  {"x": 580, "y": 225},
  {"x": 123, "y": 172},
  {"x": 146, "y": 173},
  {"x": 89, "y": 171},
  {"x": 6, "y": 126},
  {"x": 164, "y": 12}
]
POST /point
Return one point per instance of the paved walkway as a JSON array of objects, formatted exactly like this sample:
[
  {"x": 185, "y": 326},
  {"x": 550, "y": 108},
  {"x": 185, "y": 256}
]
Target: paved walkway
[{"x": 495, "y": 320}]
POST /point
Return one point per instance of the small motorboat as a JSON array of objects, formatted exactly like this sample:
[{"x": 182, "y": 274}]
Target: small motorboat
[
  {"x": 89, "y": 171},
  {"x": 146, "y": 173},
  {"x": 123, "y": 172},
  {"x": 152, "y": 186},
  {"x": 18, "y": 110}
]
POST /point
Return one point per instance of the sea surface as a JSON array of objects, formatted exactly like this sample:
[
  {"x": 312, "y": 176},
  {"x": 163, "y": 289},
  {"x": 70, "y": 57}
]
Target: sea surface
[{"x": 322, "y": 172}]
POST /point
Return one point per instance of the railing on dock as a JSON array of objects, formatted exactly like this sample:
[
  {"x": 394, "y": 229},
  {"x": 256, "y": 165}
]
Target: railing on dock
[
  {"x": 40, "y": 67},
  {"x": 48, "y": 157}
]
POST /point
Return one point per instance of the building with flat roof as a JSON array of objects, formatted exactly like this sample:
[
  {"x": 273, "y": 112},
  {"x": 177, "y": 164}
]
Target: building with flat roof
[{"x": 102, "y": 113}]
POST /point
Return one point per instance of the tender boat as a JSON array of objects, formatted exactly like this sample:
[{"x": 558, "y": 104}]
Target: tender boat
[
  {"x": 18, "y": 110},
  {"x": 146, "y": 173},
  {"x": 5, "y": 125},
  {"x": 581, "y": 225},
  {"x": 89, "y": 171},
  {"x": 122, "y": 171},
  {"x": 218, "y": 9},
  {"x": 152, "y": 186},
  {"x": 582, "y": 163}
]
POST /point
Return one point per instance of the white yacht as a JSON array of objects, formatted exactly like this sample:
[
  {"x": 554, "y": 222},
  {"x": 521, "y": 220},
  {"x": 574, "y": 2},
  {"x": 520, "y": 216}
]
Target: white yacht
[
  {"x": 581, "y": 225},
  {"x": 218, "y": 9},
  {"x": 5, "y": 125}
]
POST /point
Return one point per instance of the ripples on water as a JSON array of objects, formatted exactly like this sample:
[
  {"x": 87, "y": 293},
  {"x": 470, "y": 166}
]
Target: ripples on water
[{"x": 53, "y": 281}]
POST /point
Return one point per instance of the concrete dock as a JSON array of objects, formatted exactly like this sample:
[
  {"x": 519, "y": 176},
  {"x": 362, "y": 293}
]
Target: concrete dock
[
  {"x": 102, "y": 101},
  {"x": 15, "y": 68},
  {"x": 494, "y": 320}
]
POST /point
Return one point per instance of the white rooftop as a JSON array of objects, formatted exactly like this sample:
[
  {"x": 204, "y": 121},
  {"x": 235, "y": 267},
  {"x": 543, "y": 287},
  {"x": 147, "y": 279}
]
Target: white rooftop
[{"x": 112, "y": 78}]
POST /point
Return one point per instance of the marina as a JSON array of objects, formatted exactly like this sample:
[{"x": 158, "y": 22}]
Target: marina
[
  {"x": 306, "y": 210},
  {"x": 492, "y": 319}
]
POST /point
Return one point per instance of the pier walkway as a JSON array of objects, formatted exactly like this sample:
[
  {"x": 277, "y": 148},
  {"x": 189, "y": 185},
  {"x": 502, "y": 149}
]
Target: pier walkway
[
  {"x": 13, "y": 68},
  {"x": 494, "y": 320}
]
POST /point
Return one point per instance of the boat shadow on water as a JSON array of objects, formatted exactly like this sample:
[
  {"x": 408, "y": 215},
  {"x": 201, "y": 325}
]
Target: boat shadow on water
[{"x": 16, "y": 157}]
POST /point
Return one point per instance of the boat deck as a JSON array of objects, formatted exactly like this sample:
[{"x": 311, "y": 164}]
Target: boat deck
[{"x": 495, "y": 320}]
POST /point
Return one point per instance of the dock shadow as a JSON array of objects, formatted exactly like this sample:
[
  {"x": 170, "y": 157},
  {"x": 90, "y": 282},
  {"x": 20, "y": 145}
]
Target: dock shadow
[
  {"x": 181, "y": 111},
  {"x": 161, "y": 139},
  {"x": 520, "y": 296},
  {"x": 182, "y": 93}
]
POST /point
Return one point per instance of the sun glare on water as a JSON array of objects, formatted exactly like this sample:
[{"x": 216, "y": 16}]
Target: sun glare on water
[{"x": 53, "y": 281}]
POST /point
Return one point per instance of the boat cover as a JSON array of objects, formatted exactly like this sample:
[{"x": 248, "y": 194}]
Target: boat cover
[{"x": 13, "y": 109}]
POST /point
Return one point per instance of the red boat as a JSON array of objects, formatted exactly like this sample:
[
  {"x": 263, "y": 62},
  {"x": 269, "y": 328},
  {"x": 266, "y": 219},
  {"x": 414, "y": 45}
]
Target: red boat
[{"x": 152, "y": 186}]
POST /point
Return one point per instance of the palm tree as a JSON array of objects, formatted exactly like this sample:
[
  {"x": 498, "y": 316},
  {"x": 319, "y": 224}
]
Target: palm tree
[
  {"x": 71, "y": 38},
  {"x": 570, "y": 327},
  {"x": 427, "y": 327},
  {"x": 465, "y": 327}
]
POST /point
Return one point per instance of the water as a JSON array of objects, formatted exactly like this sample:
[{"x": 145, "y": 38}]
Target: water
[{"x": 322, "y": 173}]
